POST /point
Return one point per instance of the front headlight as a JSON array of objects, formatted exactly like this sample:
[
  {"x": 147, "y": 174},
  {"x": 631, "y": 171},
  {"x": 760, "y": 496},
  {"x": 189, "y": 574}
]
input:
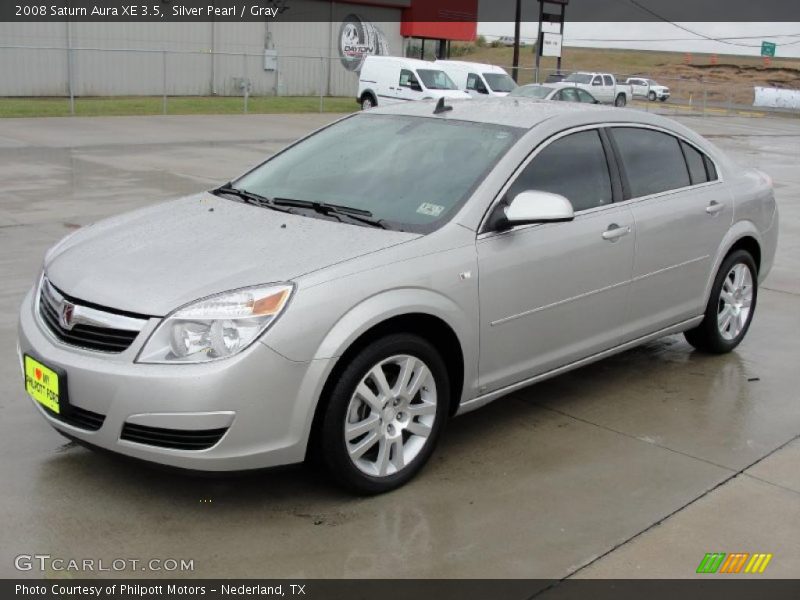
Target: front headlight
[{"x": 216, "y": 327}]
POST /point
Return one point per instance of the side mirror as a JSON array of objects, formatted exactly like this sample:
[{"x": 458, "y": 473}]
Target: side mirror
[
  {"x": 415, "y": 86},
  {"x": 534, "y": 207}
]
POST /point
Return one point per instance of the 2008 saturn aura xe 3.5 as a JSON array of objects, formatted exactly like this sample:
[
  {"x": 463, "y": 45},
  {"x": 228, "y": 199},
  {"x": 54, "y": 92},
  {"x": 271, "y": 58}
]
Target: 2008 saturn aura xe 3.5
[{"x": 400, "y": 266}]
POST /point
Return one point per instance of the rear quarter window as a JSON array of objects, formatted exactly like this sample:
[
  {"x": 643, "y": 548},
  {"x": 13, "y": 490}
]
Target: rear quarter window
[{"x": 652, "y": 161}]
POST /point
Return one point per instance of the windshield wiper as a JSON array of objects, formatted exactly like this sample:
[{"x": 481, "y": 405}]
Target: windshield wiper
[
  {"x": 334, "y": 210},
  {"x": 248, "y": 197}
]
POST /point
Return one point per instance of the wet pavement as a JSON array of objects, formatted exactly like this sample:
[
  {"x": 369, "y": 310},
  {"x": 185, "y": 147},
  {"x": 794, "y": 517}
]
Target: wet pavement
[{"x": 635, "y": 466}]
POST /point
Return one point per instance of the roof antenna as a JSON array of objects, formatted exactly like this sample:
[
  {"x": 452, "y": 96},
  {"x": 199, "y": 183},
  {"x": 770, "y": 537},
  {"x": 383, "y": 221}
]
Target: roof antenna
[{"x": 441, "y": 107}]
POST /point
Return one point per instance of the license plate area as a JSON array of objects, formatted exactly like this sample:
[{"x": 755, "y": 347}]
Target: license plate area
[{"x": 47, "y": 385}]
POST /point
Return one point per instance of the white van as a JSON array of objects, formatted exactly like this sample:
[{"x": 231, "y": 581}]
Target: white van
[
  {"x": 478, "y": 79},
  {"x": 390, "y": 79}
]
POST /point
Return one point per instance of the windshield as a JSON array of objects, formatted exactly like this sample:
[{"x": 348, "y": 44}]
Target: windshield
[
  {"x": 413, "y": 173},
  {"x": 579, "y": 78},
  {"x": 436, "y": 80},
  {"x": 499, "y": 82},
  {"x": 531, "y": 91},
  {"x": 651, "y": 82}
]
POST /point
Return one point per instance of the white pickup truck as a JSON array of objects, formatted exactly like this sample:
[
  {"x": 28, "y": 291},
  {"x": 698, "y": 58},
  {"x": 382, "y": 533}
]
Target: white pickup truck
[{"x": 603, "y": 86}]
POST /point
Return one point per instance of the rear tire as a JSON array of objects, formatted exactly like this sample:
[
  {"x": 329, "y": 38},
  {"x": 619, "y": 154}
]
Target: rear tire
[
  {"x": 367, "y": 102},
  {"x": 385, "y": 414},
  {"x": 730, "y": 307},
  {"x": 620, "y": 101}
]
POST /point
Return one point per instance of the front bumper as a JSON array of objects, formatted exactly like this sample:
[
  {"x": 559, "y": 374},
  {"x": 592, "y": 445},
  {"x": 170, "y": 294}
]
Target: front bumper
[{"x": 263, "y": 401}]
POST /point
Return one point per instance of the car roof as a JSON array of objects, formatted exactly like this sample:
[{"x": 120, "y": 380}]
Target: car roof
[
  {"x": 413, "y": 62},
  {"x": 471, "y": 65},
  {"x": 526, "y": 113}
]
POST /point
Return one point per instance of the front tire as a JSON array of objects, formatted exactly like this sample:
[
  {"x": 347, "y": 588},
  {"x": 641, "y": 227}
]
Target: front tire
[
  {"x": 730, "y": 307},
  {"x": 385, "y": 414},
  {"x": 652, "y": 96},
  {"x": 620, "y": 101}
]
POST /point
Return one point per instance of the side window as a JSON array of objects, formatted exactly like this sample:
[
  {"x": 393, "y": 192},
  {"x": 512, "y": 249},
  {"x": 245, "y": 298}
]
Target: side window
[
  {"x": 710, "y": 169},
  {"x": 554, "y": 170},
  {"x": 584, "y": 96},
  {"x": 597, "y": 80},
  {"x": 407, "y": 79},
  {"x": 474, "y": 82},
  {"x": 608, "y": 80},
  {"x": 696, "y": 163},
  {"x": 569, "y": 95},
  {"x": 653, "y": 160}
]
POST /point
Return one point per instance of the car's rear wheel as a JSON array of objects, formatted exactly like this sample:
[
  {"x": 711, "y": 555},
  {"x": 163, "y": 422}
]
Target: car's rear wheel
[
  {"x": 367, "y": 102},
  {"x": 652, "y": 96},
  {"x": 385, "y": 414},
  {"x": 620, "y": 101},
  {"x": 730, "y": 307}
]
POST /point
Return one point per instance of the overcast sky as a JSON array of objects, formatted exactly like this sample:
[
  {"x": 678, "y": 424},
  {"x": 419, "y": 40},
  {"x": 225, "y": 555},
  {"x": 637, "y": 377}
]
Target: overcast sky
[{"x": 609, "y": 35}]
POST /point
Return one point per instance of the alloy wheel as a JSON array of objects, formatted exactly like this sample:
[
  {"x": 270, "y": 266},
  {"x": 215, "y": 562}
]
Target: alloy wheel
[
  {"x": 735, "y": 302},
  {"x": 390, "y": 415}
]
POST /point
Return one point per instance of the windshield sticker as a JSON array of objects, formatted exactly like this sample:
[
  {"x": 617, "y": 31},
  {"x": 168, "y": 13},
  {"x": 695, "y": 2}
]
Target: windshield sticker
[{"x": 432, "y": 210}]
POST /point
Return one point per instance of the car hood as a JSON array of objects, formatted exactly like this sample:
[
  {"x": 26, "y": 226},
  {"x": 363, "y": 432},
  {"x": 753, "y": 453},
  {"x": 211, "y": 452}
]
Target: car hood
[{"x": 154, "y": 260}]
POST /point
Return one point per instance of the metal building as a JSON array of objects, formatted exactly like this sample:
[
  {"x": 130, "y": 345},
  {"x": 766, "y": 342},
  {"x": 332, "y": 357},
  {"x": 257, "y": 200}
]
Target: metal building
[{"x": 272, "y": 57}]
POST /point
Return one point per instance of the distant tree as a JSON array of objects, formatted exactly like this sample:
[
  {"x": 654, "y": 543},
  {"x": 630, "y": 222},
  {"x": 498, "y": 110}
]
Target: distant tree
[{"x": 480, "y": 41}]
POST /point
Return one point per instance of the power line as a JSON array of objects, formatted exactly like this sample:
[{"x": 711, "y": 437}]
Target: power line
[{"x": 697, "y": 33}]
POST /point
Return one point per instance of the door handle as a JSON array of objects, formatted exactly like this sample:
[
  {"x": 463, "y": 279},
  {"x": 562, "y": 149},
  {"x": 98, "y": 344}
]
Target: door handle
[
  {"x": 614, "y": 232},
  {"x": 714, "y": 207}
]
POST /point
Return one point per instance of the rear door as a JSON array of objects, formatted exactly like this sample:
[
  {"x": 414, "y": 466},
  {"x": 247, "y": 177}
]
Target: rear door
[
  {"x": 554, "y": 293},
  {"x": 682, "y": 211}
]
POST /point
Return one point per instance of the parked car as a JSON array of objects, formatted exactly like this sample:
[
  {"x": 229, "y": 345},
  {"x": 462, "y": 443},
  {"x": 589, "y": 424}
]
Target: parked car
[
  {"x": 508, "y": 41},
  {"x": 478, "y": 79},
  {"x": 555, "y": 77},
  {"x": 603, "y": 86},
  {"x": 388, "y": 80},
  {"x": 345, "y": 309},
  {"x": 647, "y": 88},
  {"x": 566, "y": 93}
]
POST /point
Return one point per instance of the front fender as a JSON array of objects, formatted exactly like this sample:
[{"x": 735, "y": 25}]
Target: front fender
[{"x": 403, "y": 301}]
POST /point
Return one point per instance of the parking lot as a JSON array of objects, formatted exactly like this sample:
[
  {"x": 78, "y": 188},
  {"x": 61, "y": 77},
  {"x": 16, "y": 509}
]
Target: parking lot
[{"x": 635, "y": 466}]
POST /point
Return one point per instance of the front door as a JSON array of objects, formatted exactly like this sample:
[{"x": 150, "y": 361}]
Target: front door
[{"x": 554, "y": 293}]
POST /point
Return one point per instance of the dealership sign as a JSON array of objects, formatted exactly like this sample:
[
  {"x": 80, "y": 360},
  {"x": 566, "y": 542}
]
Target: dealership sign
[
  {"x": 551, "y": 44},
  {"x": 357, "y": 40}
]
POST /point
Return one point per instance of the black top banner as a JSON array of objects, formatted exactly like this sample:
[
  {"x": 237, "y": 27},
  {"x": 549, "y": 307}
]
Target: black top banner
[{"x": 408, "y": 10}]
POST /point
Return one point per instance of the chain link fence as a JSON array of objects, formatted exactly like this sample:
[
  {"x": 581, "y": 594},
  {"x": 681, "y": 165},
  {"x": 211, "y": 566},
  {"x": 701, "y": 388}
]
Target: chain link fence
[{"x": 80, "y": 80}]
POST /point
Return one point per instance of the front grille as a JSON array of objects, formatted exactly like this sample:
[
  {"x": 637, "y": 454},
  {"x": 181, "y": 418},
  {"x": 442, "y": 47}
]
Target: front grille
[
  {"x": 87, "y": 329},
  {"x": 79, "y": 417},
  {"x": 179, "y": 439}
]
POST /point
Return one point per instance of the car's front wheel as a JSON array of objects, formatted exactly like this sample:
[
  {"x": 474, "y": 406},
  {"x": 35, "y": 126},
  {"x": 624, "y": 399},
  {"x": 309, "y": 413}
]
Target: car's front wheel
[
  {"x": 730, "y": 307},
  {"x": 385, "y": 414},
  {"x": 652, "y": 96}
]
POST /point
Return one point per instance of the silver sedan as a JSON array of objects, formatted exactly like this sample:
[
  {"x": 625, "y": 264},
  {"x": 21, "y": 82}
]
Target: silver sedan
[
  {"x": 557, "y": 91},
  {"x": 348, "y": 296}
]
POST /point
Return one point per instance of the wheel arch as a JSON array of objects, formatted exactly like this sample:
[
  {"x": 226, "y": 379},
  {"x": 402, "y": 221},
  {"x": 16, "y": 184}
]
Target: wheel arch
[
  {"x": 742, "y": 236},
  {"x": 368, "y": 92}
]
